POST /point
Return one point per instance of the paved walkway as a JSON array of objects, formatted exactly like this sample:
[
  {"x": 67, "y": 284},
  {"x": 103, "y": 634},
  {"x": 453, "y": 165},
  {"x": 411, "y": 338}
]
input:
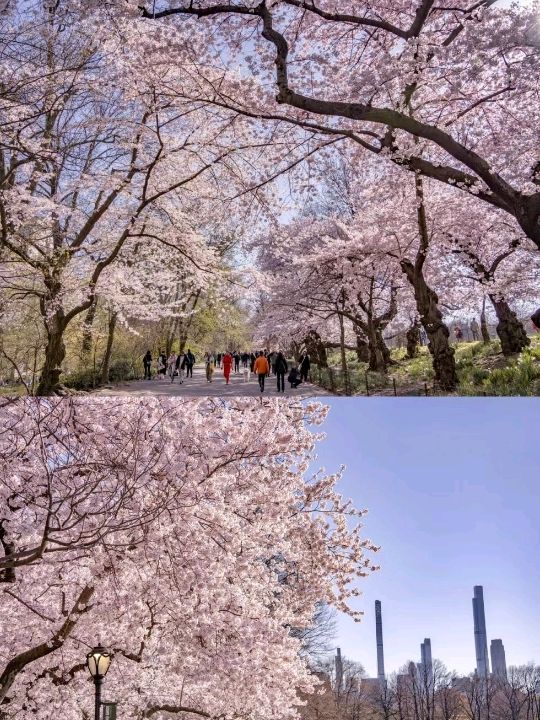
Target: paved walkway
[{"x": 199, "y": 387}]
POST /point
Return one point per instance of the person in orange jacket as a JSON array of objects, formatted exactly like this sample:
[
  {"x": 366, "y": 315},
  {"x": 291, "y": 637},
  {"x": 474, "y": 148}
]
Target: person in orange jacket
[
  {"x": 261, "y": 369},
  {"x": 227, "y": 364}
]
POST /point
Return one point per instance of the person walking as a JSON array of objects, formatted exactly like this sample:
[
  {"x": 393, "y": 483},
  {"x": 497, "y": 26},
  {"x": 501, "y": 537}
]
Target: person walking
[
  {"x": 305, "y": 365},
  {"x": 147, "y": 364},
  {"x": 280, "y": 368},
  {"x": 475, "y": 329},
  {"x": 219, "y": 356},
  {"x": 162, "y": 365},
  {"x": 190, "y": 362},
  {"x": 252, "y": 359},
  {"x": 171, "y": 365},
  {"x": 209, "y": 366},
  {"x": 180, "y": 367},
  {"x": 227, "y": 361},
  {"x": 236, "y": 362},
  {"x": 261, "y": 369}
]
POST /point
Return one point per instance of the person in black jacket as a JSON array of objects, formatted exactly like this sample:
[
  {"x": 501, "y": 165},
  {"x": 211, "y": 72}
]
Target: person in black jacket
[
  {"x": 280, "y": 368},
  {"x": 190, "y": 362},
  {"x": 147, "y": 363},
  {"x": 305, "y": 364},
  {"x": 294, "y": 378}
]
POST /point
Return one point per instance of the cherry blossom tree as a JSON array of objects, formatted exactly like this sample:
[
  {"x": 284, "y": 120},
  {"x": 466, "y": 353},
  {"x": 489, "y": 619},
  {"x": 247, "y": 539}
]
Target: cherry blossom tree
[
  {"x": 198, "y": 548},
  {"x": 447, "y": 92},
  {"x": 494, "y": 254},
  {"x": 89, "y": 169}
]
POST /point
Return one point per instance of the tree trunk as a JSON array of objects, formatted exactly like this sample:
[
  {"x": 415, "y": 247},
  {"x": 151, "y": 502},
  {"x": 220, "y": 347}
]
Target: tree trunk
[
  {"x": 55, "y": 352},
  {"x": 171, "y": 333},
  {"x": 384, "y": 349},
  {"x": 343, "y": 354},
  {"x": 511, "y": 332},
  {"x": 296, "y": 351},
  {"x": 87, "y": 333},
  {"x": 362, "y": 349},
  {"x": 182, "y": 340},
  {"x": 108, "y": 351},
  {"x": 376, "y": 356},
  {"x": 413, "y": 340},
  {"x": 486, "y": 339},
  {"x": 427, "y": 304},
  {"x": 183, "y": 327},
  {"x": 316, "y": 349}
]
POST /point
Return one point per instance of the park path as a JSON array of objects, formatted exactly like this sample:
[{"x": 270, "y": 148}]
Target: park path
[{"x": 197, "y": 386}]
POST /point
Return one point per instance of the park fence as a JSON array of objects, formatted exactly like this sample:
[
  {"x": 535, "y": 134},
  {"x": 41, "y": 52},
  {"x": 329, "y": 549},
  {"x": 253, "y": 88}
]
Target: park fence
[{"x": 364, "y": 382}]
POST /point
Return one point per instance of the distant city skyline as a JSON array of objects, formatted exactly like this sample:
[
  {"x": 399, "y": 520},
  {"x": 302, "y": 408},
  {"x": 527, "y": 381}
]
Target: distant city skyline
[{"x": 452, "y": 493}]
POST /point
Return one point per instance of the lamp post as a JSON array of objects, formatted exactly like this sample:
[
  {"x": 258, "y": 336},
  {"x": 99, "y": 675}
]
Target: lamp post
[{"x": 98, "y": 661}]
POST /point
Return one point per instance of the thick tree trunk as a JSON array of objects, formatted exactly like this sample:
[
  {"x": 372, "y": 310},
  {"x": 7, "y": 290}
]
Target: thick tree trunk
[
  {"x": 55, "y": 352},
  {"x": 511, "y": 332},
  {"x": 427, "y": 304},
  {"x": 108, "y": 351},
  {"x": 362, "y": 349},
  {"x": 376, "y": 355},
  {"x": 413, "y": 340},
  {"x": 384, "y": 349},
  {"x": 315, "y": 348},
  {"x": 87, "y": 333}
]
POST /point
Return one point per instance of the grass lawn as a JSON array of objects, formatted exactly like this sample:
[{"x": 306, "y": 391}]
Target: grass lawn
[{"x": 482, "y": 370}]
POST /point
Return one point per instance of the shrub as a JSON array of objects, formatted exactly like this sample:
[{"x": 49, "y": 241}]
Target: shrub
[{"x": 81, "y": 380}]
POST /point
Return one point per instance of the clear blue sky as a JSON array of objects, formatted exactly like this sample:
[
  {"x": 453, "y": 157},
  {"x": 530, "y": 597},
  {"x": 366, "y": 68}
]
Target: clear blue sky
[{"x": 453, "y": 490}]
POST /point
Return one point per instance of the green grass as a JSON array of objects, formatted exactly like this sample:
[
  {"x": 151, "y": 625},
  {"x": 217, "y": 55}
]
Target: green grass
[
  {"x": 482, "y": 370},
  {"x": 13, "y": 390}
]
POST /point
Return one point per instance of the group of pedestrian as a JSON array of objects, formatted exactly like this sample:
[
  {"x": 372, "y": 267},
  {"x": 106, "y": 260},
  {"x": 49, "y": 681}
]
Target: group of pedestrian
[
  {"x": 238, "y": 359},
  {"x": 178, "y": 365},
  {"x": 260, "y": 363}
]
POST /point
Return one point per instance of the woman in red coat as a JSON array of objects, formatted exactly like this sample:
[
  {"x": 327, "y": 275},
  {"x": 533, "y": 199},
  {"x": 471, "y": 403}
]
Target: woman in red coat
[{"x": 227, "y": 364}]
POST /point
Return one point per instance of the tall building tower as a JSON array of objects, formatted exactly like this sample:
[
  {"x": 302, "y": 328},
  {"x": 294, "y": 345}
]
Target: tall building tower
[
  {"x": 378, "y": 632},
  {"x": 426, "y": 661},
  {"x": 339, "y": 670},
  {"x": 480, "y": 635},
  {"x": 498, "y": 659}
]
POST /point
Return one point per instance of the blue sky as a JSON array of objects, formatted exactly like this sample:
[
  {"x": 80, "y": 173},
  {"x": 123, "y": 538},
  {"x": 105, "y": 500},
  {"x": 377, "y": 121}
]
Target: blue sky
[{"x": 453, "y": 490}]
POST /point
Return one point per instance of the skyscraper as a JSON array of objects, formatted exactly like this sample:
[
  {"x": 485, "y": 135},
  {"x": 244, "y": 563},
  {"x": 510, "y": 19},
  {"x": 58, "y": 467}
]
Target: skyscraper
[
  {"x": 498, "y": 659},
  {"x": 378, "y": 632},
  {"x": 426, "y": 661},
  {"x": 339, "y": 670},
  {"x": 480, "y": 635}
]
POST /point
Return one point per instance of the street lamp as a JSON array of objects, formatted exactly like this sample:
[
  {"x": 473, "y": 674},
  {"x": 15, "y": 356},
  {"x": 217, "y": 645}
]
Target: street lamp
[{"x": 98, "y": 661}]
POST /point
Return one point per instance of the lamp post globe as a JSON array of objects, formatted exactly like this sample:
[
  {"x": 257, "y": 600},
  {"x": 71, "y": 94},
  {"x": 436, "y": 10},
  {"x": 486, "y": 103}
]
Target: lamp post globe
[{"x": 98, "y": 662}]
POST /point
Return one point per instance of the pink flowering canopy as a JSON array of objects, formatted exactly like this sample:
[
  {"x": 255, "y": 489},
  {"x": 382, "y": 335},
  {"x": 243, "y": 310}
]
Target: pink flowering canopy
[
  {"x": 189, "y": 537},
  {"x": 448, "y": 91}
]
